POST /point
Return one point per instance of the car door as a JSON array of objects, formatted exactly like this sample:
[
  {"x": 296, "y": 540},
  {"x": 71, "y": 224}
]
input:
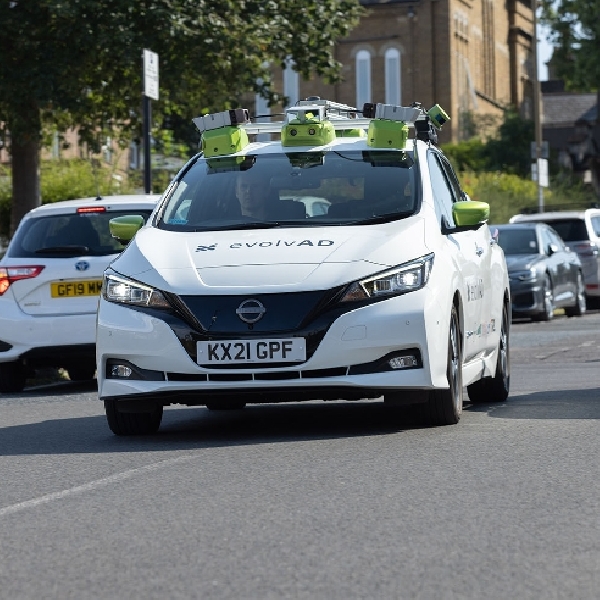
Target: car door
[
  {"x": 567, "y": 267},
  {"x": 469, "y": 250}
]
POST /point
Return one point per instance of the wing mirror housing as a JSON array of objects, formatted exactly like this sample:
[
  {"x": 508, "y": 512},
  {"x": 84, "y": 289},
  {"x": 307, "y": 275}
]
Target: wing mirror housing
[{"x": 124, "y": 228}]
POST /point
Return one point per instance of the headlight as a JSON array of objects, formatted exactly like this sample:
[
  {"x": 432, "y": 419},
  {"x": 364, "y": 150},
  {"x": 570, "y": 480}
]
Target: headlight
[
  {"x": 529, "y": 275},
  {"x": 125, "y": 291},
  {"x": 406, "y": 278}
]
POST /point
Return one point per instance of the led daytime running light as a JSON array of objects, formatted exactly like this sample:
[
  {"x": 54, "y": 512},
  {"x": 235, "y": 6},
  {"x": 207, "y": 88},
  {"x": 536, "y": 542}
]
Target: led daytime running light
[{"x": 124, "y": 291}]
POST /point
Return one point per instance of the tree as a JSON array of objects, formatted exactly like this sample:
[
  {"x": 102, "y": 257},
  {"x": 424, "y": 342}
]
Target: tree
[
  {"x": 78, "y": 62},
  {"x": 575, "y": 34}
]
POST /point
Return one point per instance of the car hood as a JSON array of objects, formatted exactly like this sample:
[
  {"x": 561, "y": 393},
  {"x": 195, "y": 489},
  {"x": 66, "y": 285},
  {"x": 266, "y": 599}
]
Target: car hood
[
  {"x": 280, "y": 260},
  {"x": 522, "y": 262}
]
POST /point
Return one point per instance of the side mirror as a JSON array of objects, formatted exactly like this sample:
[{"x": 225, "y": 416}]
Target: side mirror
[
  {"x": 552, "y": 249},
  {"x": 124, "y": 228},
  {"x": 470, "y": 213}
]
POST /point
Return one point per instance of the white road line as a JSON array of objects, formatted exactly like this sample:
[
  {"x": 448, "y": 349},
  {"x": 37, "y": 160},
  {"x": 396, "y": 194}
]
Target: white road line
[{"x": 92, "y": 485}]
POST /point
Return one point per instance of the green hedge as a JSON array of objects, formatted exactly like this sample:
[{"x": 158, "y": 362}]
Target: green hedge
[{"x": 64, "y": 180}]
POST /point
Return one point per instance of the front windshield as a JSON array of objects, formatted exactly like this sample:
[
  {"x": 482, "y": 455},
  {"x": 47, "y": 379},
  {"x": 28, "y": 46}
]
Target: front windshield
[
  {"x": 295, "y": 189},
  {"x": 518, "y": 240}
]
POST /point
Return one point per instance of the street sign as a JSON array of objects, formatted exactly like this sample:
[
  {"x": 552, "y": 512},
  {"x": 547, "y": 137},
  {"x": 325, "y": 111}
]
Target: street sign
[
  {"x": 151, "y": 74},
  {"x": 543, "y": 150},
  {"x": 542, "y": 169}
]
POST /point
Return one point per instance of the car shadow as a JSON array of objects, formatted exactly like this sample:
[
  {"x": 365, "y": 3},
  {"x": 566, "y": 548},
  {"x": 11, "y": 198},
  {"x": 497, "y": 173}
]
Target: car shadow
[
  {"x": 557, "y": 404},
  {"x": 188, "y": 428}
]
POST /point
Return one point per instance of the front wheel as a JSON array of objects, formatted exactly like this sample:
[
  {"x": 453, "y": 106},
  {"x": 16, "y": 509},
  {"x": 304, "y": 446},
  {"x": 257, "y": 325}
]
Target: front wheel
[
  {"x": 548, "y": 313},
  {"x": 495, "y": 389},
  {"x": 445, "y": 406},
  {"x": 580, "y": 302},
  {"x": 12, "y": 377},
  {"x": 132, "y": 423}
]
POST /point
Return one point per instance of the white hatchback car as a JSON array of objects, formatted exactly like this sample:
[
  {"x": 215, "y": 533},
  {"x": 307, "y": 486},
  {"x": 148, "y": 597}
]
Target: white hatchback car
[
  {"x": 232, "y": 293},
  {"x": 50, "y": 280}
]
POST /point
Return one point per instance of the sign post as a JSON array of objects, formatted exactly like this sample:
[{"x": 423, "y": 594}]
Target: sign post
[{"x": 150, "y": 78}]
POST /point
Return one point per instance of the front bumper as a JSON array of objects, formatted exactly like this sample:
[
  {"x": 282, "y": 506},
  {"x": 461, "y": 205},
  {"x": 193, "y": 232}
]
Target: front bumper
[
  {"x": 527, "y": 297},
  {"x": 349, "y": 360}
]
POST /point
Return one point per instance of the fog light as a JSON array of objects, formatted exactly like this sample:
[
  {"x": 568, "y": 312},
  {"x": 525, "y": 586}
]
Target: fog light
[
  {"x": 121, "y": 371},
  {"x": 311, "y": 131},
  {"x": 404, "y": 362},
  {"x": 293, "y": 132}
]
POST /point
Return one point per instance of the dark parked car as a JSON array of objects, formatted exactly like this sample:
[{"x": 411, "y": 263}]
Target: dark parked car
[{"x": 544, "y": 274}]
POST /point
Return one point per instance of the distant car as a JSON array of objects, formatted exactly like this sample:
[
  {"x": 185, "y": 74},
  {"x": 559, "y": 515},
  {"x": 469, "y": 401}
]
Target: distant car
[
  {"x": 543, "y": 273},
  {"x": 50, "y": 280},
  {"x": 580, "y": 230}
]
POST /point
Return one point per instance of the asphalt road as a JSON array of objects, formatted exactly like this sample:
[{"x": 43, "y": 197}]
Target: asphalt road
[{"x": 336, "y": 500}]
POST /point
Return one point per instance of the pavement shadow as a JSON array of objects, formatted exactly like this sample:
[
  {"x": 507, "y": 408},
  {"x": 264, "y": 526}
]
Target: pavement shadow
[
  {"x": 188, "y": 428},
  {"x": 557, "y": 404}
]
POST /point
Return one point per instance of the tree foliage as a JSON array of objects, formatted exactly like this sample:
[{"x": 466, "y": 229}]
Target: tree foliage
[
  {"x": 78, "y": 62},
  {"x": 507, "y": 152},
  {"x": 575, "y": 35}
]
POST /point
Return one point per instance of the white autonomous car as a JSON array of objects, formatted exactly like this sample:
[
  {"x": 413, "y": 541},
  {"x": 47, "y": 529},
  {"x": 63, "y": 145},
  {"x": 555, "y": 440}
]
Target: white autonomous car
[{"x": 235, "y": 291}]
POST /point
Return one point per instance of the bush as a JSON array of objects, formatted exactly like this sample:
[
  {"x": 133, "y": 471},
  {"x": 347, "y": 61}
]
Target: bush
[
  {"x": 77, "y": 178},
  {"x": 63, "y": 180},
  {"x": 506, "y": 194}
]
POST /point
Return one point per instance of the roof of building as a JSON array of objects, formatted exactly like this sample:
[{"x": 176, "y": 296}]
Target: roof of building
[{"x": 566, "y": 108}]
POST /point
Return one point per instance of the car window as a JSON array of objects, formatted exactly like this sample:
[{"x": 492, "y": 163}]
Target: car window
[
  {"x": 303, "y": 188},
  {"x": 76, "y": 234},
  {"x": 452, "y": 178},
  {"x": 442, "y": 190},
  {"x": 556, "y": 240},
  {"x": 596, "y": 225},
  {"x": 570, "y": 230},
  {"x": 518, "y": 240}
]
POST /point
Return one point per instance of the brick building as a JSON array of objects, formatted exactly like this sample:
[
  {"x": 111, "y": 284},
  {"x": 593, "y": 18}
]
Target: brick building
[{"x": 473, "y": 57}]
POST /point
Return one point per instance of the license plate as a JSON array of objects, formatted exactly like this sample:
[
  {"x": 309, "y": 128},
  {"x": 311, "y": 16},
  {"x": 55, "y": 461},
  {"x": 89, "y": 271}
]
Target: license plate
[
  {"x": 251, "y": 351},
  {"x": 71, "y": 289}
]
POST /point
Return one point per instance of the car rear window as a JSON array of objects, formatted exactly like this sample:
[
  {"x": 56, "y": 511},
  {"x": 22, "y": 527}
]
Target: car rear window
[
  {"x": 570, "y": 230},
  {"x": 61, "y": 235}
]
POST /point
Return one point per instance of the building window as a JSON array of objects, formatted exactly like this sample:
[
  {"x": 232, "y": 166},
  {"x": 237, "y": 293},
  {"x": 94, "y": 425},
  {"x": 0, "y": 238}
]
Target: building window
[
  {"x": 363, "y": 78},
  {"x": 392, "y": 77},
  {"x": 290, "y": 82}
]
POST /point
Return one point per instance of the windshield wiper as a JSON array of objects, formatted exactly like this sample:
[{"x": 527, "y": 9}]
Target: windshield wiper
[
  {"x": 375, "y": 219},
  {"x": 237, "y": 226}
]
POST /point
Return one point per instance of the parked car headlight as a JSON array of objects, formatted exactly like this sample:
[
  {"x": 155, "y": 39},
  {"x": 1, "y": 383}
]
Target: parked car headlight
[
  {"x": 126, "y": 291},
  {"x": 528, "y": 275},
  {"x": 405, "y": 278}
]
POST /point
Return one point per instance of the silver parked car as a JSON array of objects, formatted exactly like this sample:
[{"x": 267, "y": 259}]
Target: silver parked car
[
  {"x": 543, "y": 273},
  {"x": 580, "y": 230}
]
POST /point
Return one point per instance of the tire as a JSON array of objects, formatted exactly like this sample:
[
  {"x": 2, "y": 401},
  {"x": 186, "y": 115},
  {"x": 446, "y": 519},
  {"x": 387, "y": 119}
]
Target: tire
[
  {"x": 445, "y": 406},
  {"x": 82, "y": 372},
  {"x": 495, "y": 389},
  {"x": 132, "y": 423},
  {"x": 580, "y": 301},
  {"x": 226, "y": 404},
  {"x": 12, "y": 377},
  {"x": 548, "y": 313}
]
